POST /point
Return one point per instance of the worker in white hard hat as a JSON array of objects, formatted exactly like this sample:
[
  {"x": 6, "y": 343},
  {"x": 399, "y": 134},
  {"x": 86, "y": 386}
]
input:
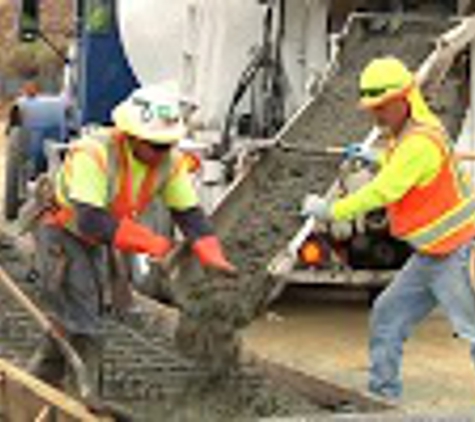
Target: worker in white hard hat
[
  {"x": 430, "y": 205},
  {"x": 105, "y": 183}
]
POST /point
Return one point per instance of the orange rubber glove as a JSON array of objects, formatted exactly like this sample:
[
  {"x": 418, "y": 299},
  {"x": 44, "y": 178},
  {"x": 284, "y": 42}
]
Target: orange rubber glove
[
  {"x": 134, "y": 237},
  {"x": 209, "y": 251}
]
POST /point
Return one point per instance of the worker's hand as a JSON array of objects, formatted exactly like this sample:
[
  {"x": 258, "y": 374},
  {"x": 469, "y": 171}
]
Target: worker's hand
[
  {"x": 135, "y": 237},
  {"x": 314, "y": 205},
  {"x": 159, "y": 247},
  {"x": 357, "y": 151},
  {"x": 210, "y": 253}
]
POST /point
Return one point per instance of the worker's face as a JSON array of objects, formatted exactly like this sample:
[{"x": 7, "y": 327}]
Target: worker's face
[
  {"x": 147, "y": 152},
  {"x": 392, "y": 114}
]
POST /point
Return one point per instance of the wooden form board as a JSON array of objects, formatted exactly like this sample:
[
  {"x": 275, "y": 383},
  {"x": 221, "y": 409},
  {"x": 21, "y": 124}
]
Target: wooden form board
[{"x": 26, "y": 398}]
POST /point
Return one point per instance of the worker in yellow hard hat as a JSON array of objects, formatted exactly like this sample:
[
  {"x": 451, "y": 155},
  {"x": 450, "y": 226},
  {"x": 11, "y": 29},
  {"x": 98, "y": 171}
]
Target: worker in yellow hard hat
[
  {"x": 429, "y": 204},
  {"x": 107, "y": 181}
]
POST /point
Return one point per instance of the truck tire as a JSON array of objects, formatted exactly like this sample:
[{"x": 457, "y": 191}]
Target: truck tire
[{"x": 15, "y": 172}]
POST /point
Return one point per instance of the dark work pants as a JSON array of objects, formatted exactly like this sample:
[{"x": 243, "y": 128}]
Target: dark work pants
[{"x": 71, "y": 283}]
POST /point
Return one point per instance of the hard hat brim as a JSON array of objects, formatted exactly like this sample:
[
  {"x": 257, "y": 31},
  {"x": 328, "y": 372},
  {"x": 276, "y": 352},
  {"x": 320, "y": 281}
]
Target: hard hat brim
[
  {"x": 370, "y": 103},
  {"x": 169, "y": 135}
]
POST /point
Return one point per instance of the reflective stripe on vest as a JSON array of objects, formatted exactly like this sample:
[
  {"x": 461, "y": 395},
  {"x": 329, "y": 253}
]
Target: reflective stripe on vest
[
  {"x": 121, "y": 190},
  {"x": 438, "y": 217},
  {"x": 428, "y": 236},
  {"x": 118, "y": 171}
]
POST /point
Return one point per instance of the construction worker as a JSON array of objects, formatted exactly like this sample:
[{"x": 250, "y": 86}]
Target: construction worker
[
  {"x": 44, "y": 116},
  {"x": 429, "y": 204},
  {"x": 104, "y": 183}
]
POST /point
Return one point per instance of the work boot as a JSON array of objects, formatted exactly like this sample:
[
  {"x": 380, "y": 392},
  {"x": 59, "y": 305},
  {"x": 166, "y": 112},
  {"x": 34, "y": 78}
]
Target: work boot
[{"x": 48, "y": 362}]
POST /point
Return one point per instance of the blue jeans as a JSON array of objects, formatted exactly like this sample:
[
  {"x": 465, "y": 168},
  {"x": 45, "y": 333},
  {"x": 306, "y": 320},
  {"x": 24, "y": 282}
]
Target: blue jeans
[{"x": 423, "y": 283}]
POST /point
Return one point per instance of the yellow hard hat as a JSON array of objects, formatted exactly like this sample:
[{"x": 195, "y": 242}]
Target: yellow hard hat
[
  {"x": 387, "y": 78},
  {"x": 152, "y": 113},
  {"x": 383, "y": 79}
]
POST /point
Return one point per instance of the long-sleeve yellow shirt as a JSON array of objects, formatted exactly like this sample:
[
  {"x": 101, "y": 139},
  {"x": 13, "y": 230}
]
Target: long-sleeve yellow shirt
[{"x": 415, "y": 161}]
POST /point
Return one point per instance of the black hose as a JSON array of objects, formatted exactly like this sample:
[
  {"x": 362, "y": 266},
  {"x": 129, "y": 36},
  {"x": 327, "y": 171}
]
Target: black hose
[
  {"x": 247, "y": 76},
  {"x": 268, "y": 60}
]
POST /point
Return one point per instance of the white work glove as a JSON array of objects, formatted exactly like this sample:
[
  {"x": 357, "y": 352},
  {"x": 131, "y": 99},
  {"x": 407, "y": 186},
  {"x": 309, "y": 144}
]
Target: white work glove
[
  {"x": 314, "y": 205},
  {"x": 361, "y": 152}
]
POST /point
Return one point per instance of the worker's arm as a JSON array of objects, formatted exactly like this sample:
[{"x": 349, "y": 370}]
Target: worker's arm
[
  {"x": 193, "y": 223},
  {"x": 197, "y": 228},
  {"x": 414, "y": 162},
  {"x": 366, "y": 154},
  {"x": 180, "y": 197},
  {"x": 95, "y": 223},
  {"x": 127, "y": 235}
]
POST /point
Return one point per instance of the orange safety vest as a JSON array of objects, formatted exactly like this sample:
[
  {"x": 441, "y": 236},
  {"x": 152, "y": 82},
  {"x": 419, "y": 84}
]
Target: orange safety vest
[
  {"x": 439, "y": 217},
  {"x": 119, "y": 174}
]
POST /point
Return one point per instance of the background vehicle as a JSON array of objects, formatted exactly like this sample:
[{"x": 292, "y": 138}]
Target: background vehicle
[{"x": 33, "y": 122}]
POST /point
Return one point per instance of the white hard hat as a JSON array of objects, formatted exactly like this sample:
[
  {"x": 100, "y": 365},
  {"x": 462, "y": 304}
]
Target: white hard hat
[{"x": 152, "y": 113}]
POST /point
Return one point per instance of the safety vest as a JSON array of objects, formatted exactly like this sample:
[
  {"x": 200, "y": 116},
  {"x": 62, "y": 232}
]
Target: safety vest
[
  {"x": 439, "y": 217},
  {"x": 117, "y": 169}
]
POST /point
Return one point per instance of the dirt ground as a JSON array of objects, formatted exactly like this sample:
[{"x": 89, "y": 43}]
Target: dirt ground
[{"x": 327, "y": 337}]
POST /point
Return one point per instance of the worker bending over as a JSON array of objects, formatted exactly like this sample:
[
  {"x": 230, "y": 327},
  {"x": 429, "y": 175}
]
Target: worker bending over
[
  {"x": 100, "y": 189},
  {"x": 429, "y": 204}
]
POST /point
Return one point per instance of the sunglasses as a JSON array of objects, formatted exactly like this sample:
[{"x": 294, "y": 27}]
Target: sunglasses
[
  {"x": 158, "y": 148},
  {"x": 155, "y": 147},
  {"x": 376, "y": 92}
]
